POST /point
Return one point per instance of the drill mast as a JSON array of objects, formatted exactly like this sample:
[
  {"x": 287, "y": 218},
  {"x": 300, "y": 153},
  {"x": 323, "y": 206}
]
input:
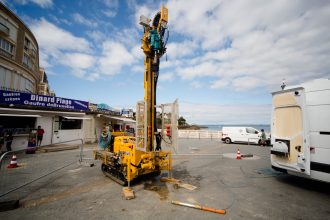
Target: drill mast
[{"x": 154, "y": 47}]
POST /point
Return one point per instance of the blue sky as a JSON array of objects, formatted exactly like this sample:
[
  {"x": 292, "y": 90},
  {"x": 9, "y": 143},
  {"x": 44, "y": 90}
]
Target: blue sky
[{"x": 224, "y": 57}]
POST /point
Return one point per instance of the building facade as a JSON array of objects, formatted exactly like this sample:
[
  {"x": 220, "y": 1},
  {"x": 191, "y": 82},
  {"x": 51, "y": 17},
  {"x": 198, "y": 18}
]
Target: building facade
[
  {"x": 19, "y": 56},
  {"x": 26, "y": 101}
]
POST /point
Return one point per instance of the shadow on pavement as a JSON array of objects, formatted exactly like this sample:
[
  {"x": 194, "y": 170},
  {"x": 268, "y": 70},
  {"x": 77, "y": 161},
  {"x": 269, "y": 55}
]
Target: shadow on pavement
[{"x": 305, "y": 184}]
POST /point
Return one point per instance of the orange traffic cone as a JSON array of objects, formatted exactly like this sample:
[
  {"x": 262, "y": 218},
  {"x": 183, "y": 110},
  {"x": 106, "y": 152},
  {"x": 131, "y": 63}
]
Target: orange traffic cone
[
  {"x": 13, "y": 162},
  {"x": 238, "y": 155}
]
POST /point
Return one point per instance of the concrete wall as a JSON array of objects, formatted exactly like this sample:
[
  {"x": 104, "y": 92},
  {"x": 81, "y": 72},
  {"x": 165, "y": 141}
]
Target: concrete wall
[
  {"x": 89, "y": 129},
  {"x": 68, "y": 135}
]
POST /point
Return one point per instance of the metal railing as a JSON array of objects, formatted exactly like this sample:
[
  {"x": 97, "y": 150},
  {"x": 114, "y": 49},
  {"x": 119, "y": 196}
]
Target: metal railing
[
  {"x": 3, "y": 156},
  {"x": 200, "y": 134}
]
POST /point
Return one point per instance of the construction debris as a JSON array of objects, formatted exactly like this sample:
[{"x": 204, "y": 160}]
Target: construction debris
[
  {"x": 219, "y": 211},
  {"x": 178, "y": 183}
]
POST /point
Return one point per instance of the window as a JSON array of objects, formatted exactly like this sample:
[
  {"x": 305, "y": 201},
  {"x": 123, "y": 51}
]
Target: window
[
  {"x": 5, "y": 78},
  {"x": 3, "y": 25},
  {"x": 251, "y": 131},
  {"x": 27, "y": 61},
  {"x": 69, "y": 124},
  {"x": 6, "y": 48},
  {"x": 17, "y": 126},
  {"x": 27, "y": 44},
  {"x": 12, "y": 80},
  {"x": 26, "y": 85}
]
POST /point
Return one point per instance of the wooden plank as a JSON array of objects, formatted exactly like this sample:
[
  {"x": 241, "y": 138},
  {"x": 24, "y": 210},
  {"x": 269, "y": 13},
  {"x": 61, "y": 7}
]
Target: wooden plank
[
  {"x": 187, "y": 186},
  {"x": 128, "y": 193},
  {"x": 178, "y": 183}
]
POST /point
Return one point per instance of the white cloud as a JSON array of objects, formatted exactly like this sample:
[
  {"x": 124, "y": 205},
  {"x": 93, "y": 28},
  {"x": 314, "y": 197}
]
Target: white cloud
[
  {"x": 138, "y": 68},
  {"x": 73, "y": 52},
  {"x": 225, "y": 114},
  {"x": 181, "y": 49},
  {"x": 111, "y": 3},
  {"x": 245, "y": 45},
  {"x": 44, "y": 60},
  {"x": 53, "y": 39},
  {"x": 196, "y": 84},
  {"x": 143, "y": 10},
  {"x": 111, "y": 8},
  {"x": 77, "y": 60},
  {"x": 96, "y": 36},
  {"x": 166, "y": 76},
  {"x": 199, "y": 70},
  {"x": 79, "y": 73},
  {"x": 109, "y": 13},
  {"x": 93, "y": 76},
  {"x": 76, "y": 53},
  {"x": 78, "y": 18},
  {"x": 219, "y": 84},
  {"x": 248, "y": 44},
  {"x": 41, "y": 3},
  {"x": 245, "y": 83},
  {"x": 114, "y": 57}
]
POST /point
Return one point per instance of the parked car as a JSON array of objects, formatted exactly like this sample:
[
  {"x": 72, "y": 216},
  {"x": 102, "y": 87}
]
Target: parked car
[{"x": 242, "y": 134}]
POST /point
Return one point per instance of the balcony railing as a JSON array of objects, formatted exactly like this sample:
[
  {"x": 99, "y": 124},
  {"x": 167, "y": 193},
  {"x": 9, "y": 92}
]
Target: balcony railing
[{"x": 5, "y": 53}]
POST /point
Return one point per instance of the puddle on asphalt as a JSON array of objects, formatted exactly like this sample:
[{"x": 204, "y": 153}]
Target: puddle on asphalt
[
  {"x": 268, "y": 172},
  {"x": 180, "y": 172},
  {"x": 159, "y": 187}
]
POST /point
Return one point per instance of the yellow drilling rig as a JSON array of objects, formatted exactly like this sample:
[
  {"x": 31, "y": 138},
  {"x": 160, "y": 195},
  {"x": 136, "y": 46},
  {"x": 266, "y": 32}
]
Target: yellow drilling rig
[{"x": 141, "y": 155}]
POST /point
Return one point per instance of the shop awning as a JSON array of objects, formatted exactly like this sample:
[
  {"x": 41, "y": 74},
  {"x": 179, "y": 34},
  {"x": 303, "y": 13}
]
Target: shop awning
[
  {"x": 20, "y": 115},
  {"x": 119, "y": 118},
  {"x": 80, "y": 118},
  {"x": 35, "y": 111}
]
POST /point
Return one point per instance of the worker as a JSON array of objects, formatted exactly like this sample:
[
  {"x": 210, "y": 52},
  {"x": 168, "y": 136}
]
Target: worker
[
  {"x": 158, "y": 141},
  {"x": 9, "y": 140},
  {"x": 263, "y": 138},
  {"x": 40, "y": 134},
  {"x": 105, "y": 138}
]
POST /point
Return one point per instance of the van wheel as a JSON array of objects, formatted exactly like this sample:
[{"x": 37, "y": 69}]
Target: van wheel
[{"x": 227, "y": 141}]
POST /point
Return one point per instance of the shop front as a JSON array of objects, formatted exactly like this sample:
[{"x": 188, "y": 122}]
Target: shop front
[{"x": 21, "y": 113}]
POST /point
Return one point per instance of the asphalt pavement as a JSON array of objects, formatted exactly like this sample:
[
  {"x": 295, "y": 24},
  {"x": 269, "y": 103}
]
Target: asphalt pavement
[{"x": 246, "y": 189}]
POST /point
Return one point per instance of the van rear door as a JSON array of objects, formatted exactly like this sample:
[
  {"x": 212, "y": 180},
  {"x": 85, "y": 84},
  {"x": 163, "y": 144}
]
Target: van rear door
[{"x": 289, "y": 129}]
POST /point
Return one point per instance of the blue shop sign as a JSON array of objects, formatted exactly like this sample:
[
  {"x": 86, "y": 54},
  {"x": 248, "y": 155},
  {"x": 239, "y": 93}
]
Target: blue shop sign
[{"x": 28, "y": 99}]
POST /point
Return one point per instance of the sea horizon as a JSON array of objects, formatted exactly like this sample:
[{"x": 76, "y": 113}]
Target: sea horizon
[{"x": 218, "y": 127}]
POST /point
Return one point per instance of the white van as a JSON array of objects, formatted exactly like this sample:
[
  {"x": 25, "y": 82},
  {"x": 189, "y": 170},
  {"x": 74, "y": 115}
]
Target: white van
[
  {"x": 300, "y": 127},
  {"x": 240, "y": 134}
]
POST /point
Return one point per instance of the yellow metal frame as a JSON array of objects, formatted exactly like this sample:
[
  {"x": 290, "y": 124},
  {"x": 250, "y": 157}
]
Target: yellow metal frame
[{"x": 136, "y": 162}]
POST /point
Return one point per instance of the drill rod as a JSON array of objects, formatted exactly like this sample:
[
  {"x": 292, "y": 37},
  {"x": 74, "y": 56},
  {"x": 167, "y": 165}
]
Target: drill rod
[{"x": 219, "y": 211}]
